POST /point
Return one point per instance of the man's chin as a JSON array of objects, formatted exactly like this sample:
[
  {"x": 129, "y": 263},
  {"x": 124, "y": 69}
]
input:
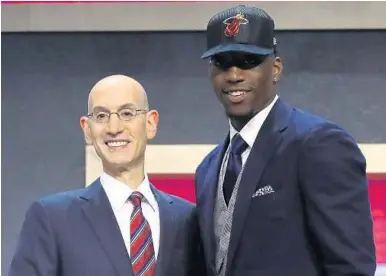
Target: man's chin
[
  {"x": 239, "y": 114},
  {"x": 118, "y": 165}
]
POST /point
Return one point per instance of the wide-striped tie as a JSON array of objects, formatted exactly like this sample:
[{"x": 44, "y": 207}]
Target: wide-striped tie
[{"x": 141, "y": 243}]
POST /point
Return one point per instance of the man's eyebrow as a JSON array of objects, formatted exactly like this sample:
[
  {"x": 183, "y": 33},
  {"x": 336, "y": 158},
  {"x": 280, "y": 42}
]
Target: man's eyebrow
[
  {"x": 124, "y": 106},
  {"x": 128, "y": 105},
  {"x": 99, "y": 108}
]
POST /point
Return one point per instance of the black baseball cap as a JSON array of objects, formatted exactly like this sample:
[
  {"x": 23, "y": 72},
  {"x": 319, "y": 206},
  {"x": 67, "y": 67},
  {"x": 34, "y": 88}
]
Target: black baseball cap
[{"x": 242, "y": 29}]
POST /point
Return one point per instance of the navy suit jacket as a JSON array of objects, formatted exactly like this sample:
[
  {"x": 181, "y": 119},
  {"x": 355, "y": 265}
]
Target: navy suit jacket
[
  {"x": 75, "y": 233},
  {"x": 316, "y": 222}
]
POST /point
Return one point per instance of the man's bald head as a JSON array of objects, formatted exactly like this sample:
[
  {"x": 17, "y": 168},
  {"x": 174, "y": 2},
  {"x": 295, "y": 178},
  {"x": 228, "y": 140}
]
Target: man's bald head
[
  {"x": 116, "y": 86},
  {"x": 120, "y": 140}
]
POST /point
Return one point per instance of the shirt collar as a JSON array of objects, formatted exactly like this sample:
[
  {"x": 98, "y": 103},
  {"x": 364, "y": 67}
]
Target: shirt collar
[
  {"x": 118, "y": 192},
  {"x": 250, "y": 131}
]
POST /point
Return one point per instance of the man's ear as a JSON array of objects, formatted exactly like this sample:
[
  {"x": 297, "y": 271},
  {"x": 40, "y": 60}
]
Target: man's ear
[
  {"x": 86, "y": 130},
  {"x": 277, "y": 69},
  {"x": 152, "y": 118}
]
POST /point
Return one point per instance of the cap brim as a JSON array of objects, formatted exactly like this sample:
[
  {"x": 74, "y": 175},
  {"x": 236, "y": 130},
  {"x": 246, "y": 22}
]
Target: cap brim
[{"x": 236, "y": 47}]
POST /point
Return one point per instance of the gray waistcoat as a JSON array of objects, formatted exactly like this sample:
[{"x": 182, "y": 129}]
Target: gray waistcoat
[{"x": 223, "y": 218}]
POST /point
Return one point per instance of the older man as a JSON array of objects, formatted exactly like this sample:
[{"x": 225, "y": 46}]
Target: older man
[{"x": 121, "y": 224}]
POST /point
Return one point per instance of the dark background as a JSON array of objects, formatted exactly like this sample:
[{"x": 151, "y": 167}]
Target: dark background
[{"x": 46, "y": 78}]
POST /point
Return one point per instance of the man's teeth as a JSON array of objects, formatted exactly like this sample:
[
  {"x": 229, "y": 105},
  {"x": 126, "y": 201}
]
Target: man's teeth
[
  {"x": 117, "y": 143},
  {"x": 236, "y": 93}
]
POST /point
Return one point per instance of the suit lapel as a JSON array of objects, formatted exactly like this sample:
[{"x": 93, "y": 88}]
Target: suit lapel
[
  {"x": 210, "y": 188},
  {"x": 99, "y": 214},
  {"x": 265, "y": 146},
  {"x": 168, "y": 230}
]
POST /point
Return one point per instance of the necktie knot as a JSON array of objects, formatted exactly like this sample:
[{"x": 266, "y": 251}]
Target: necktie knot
[
  {"x": 136, "y": 198},
  {"x": 238, "y": 145}
]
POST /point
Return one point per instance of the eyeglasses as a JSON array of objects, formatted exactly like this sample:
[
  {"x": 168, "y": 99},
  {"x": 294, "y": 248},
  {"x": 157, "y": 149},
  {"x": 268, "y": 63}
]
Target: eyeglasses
[{"x": 127, "y": 114}]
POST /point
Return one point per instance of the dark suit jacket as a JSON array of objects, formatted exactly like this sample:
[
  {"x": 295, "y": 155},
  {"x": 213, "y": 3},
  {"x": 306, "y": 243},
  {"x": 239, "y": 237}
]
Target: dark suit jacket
[
  {"x": 316, "y": 222},
  {"x": 76, "y": 234}
]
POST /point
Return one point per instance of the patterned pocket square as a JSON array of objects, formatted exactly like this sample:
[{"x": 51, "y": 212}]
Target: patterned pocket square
[{"x": 264, "y": 191}]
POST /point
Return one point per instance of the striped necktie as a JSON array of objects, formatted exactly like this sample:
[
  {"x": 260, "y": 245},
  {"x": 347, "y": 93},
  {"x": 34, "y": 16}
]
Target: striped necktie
[{"x": 141, "y": 243}]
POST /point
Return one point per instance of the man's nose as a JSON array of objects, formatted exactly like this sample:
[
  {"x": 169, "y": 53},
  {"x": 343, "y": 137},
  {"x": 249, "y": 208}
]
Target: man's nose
[
  {"x": 234, "y": 75},
  {"x": 115, "y": 124}
]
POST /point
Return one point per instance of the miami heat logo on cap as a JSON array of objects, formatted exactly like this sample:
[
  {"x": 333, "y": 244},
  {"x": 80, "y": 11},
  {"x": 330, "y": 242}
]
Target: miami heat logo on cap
[{"x": 233, "y": 24}]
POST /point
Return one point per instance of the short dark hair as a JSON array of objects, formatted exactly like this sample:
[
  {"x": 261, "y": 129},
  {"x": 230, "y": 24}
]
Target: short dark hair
[{"x": 275, "y": 51}]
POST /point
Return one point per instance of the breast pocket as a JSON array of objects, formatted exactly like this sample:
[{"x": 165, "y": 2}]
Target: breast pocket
[{"x": 270, "y": 205}]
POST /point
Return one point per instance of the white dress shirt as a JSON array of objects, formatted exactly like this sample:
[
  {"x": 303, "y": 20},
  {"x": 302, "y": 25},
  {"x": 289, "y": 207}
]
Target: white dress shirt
[
  {"x": 118, "y": 194},
  {"x": 250, "y": 131}
]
